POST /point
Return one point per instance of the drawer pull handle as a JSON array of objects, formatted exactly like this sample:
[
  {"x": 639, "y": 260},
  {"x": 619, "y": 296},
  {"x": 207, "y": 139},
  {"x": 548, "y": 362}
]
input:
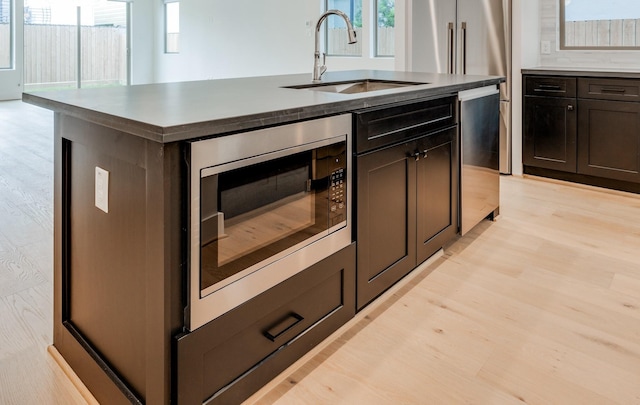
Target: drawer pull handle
[
  {"x": 283, "y": 326},
  {"x": 570, "y": 107},
  {"x": 616, "y": 90},
  {"x": 550, "y": 87}
]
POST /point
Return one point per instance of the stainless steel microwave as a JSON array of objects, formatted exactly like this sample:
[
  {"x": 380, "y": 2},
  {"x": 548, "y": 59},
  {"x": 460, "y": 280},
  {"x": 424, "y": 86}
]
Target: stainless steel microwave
[{"x": 265, "y": 205}]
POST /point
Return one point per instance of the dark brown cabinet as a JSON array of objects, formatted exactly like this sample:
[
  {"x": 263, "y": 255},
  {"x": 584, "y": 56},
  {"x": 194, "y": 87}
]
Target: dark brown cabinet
[
  {"x": 609, "y": 129},
  {"x": 231, "y": 357},
  {"x": 406, "y": 206},
  {"x": 609, "y": 140},
  {"x": 386, "y": 211},
  {"x": 550, "y": 123},
  {"x": 436, "y": 194},
  {"x": 583, "y": 129}
]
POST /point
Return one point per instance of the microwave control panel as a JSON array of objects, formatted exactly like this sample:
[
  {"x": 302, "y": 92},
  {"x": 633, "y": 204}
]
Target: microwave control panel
[
  {"x": 338, "y": 181},
  {"x": 337, "y": 197}
]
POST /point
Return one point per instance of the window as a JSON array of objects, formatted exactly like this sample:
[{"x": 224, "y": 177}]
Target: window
[
  {"x": 596, "y": 24},
  {"x": 377, "y": 16},
  {"x": 385, "y": 28},
  {"x": 69, "y": 44},
  {"x": 6, "y": 34},
  {"x": 172, "y": 26},
  {"x": 336, "y": 29}
]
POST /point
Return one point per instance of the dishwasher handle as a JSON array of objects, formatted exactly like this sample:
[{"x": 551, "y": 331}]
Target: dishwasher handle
[{"x": 479, "y": 92}]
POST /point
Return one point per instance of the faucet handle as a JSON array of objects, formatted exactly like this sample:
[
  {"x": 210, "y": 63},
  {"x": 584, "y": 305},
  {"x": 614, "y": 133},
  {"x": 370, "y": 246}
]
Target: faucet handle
[{"x": 323, "y": 68}]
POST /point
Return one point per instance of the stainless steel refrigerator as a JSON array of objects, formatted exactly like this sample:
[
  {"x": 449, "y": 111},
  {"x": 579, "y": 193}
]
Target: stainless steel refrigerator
[{"x": 467, "y": 37}]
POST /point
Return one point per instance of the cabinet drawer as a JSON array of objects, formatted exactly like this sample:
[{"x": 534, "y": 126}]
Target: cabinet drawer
[
  {"x": 228, "y": 359},
  {"x": 609, "y": 89},
  {"x": 550, "y": 86},
  {"x": 387, "y": 125}
]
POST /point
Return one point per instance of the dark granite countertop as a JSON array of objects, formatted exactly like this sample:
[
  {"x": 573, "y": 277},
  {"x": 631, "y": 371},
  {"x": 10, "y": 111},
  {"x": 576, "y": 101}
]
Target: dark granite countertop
[
  {"x": 584, "y": 72},
  {"x": 172, "y": 112}
]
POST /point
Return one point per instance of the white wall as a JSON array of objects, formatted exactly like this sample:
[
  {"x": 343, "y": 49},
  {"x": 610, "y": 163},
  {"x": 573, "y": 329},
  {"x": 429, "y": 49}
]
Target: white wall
[
  {"x": 525, "y": 40},
  {"x": 221, "y": 39},
  {"x": 142, "y": 41},
  {"x": 576, "y": 59}
]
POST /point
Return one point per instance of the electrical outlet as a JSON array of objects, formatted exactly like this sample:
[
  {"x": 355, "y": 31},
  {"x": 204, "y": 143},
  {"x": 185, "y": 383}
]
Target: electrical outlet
[
  {"x": 102, "y": 189},
  {"x": 545, "y": 47},
  {"x": 309, "y": 27}
]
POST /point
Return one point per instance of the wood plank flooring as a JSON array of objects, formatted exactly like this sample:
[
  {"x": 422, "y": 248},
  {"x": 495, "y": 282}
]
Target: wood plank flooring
[
  {"x": 539, "y": 307},
  {"x": 28, "y": 375}
]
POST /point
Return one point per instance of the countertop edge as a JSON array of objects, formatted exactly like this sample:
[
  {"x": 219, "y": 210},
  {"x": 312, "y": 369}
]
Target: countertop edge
[
  {"x": 559, "y": 71},
  {"x": 246, "y": 122},
  {"x": 280, "y": 117},
  {"x": 137, "y": 128}
]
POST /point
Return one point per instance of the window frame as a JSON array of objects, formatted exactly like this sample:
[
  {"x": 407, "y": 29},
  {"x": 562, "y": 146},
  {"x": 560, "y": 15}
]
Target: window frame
[
  {"x": 166, "y": 28},
  {"x": 12, "y": 24},
  {"x": 376, "y": 36},
  {"x": 563, "y": 36}
]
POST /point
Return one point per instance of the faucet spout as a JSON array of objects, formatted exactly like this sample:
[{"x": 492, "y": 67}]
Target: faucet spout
[{"x": 320, "y": 68}]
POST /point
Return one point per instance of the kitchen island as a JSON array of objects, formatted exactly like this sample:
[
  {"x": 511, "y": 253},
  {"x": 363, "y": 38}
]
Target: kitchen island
[{"x": 121, "y": 271}]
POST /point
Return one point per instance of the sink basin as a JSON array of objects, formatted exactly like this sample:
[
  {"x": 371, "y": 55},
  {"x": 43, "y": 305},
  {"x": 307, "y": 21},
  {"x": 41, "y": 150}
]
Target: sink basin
[{"x": 359, "y": 86}]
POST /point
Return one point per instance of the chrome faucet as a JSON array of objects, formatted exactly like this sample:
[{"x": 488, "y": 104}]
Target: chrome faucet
[{"x": 319, "y": 69}]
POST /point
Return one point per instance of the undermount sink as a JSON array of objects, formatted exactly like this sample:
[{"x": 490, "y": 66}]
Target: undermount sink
[{"x": 358, "y": 86}]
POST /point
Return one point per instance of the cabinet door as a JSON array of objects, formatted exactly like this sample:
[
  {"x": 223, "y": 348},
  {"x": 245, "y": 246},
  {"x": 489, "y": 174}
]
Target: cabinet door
[
  {"x": 437, "y": 186},
  {"x": 385, "y": 219},
  {"x": 609, "y": 139},
  {"x": 550, "y": 133}
]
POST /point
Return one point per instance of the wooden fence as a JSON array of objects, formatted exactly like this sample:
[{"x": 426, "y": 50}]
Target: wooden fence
[
  {"x": 386, "y": 41},
  {"x": 603, "y": 33},
  {"x": 338, "y": 42},
  {"x": 50, "y": 53}
]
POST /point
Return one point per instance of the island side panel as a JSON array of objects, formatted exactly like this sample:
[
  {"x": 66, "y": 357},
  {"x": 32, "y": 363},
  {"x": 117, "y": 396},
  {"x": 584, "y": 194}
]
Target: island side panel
[
  {"x": 80, "y": 360},
  {"x": 113, "y": 295},
  {"x": 166, "y": 196}
]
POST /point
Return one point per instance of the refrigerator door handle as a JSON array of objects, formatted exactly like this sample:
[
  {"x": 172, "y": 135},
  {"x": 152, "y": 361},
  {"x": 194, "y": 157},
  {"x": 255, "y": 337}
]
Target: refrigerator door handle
[
  {"x": 464, "y": 48},
  {"x": 450, "y": 43}
]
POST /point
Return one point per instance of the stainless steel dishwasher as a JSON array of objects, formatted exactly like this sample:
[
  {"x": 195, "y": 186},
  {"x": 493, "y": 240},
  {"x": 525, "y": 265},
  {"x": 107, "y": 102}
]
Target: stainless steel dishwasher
[{"x": 479, "y": 156}]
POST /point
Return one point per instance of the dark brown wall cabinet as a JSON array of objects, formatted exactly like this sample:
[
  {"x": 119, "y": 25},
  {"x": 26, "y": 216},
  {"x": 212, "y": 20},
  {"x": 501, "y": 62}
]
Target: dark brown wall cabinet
[
  {"x": 588, "y": 127},
  {"x": 406, "y": 206}
]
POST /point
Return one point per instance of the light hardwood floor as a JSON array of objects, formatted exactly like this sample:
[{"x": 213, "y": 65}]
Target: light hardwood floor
[
  {"x": 539, "y": 307},
  {"x": 28, "y": 375}
]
